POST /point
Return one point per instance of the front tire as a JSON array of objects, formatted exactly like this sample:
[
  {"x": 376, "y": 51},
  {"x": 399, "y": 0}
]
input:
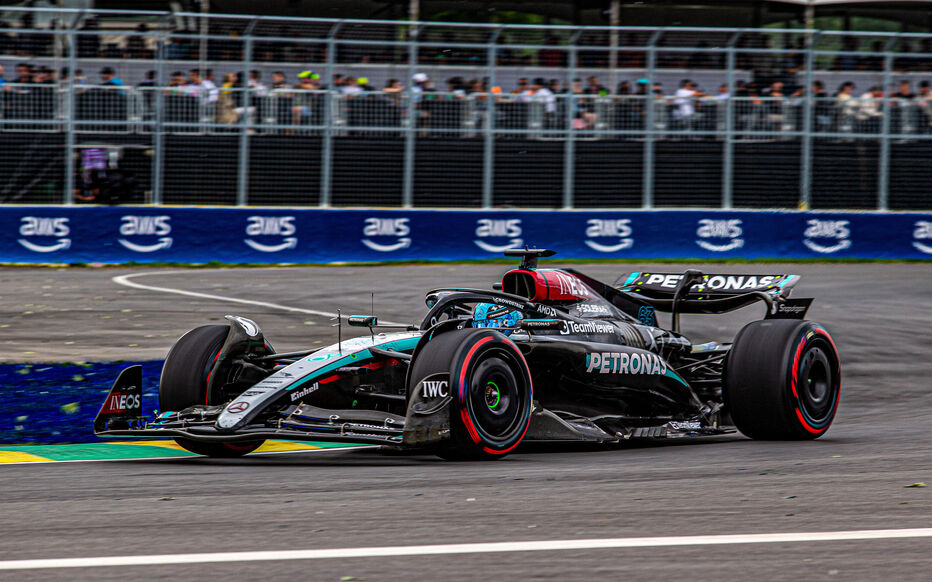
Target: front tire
[
  {"x": 491, "y": 392},
  {"x": 783, "y": 380},
  {"x": 183, "y": 383}
]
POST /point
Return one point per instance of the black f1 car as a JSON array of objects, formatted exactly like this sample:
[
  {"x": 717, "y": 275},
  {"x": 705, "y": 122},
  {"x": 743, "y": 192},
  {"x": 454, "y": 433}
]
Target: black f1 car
[{"x": 548, "y": 355}]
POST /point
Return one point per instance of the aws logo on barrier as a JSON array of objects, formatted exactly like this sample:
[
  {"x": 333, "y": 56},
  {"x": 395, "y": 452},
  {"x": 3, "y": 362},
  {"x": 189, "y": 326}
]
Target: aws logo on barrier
[
  {"x": 54, "y": 228},
  {"x": 830, "y": 236},
  {"x": 619, "y": 229},
  {"x": 272, "y": 226},
  {"x": 391, "y": 232},
  {"x": 922, "y": 232},
  {"x": 147, "y": 226},
  {"x": 720, "y": 236},
  {"x": 509, "y": 229}
]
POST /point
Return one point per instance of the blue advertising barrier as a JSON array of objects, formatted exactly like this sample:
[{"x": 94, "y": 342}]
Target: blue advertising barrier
[{"x": 62, "y": 234}]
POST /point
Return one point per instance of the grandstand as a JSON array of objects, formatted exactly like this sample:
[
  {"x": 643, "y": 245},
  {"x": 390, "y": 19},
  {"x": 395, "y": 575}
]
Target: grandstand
[{"x": 190, "y": 107}]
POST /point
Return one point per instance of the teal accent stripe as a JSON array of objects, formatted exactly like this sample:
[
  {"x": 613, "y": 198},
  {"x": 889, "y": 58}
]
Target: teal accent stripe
[
  {"x": 671, "y": 374},
  {"x": 401, "y": 344},
  {"x": 632, "y": 278}
]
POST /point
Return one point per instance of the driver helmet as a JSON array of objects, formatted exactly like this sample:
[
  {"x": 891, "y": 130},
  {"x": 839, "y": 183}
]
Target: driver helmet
[{"x": 493, "y": 315}]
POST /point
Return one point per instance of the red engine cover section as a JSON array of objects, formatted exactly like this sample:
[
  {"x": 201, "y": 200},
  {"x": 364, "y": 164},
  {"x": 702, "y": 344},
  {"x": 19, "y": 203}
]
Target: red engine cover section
[{"x": 545, "y": 285}]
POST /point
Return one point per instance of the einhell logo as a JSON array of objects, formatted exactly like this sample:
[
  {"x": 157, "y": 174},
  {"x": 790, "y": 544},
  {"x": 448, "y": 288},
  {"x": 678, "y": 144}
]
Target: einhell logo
[
  {"x": 392, "y": 234},
  {"x": 827, "y": 236},
  {"x": 720, "y": 236},
  {"x": 498, "y": 229},
  {"x": 45, "y": 227},
  {"x": 145, "y": 226},
  {"x": 271, "y": 227}
]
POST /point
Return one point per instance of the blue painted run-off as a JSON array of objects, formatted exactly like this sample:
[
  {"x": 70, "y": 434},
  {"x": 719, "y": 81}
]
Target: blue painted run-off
[
  {"x": 58, "y": 234},
  {"x": 57, "y": 403}
]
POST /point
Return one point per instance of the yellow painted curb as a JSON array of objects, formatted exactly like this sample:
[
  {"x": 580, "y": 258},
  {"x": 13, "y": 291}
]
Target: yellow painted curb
[{"x": 17, "y": 457}]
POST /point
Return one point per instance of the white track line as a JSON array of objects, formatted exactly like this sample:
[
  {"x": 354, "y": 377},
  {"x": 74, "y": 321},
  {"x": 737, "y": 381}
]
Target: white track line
[
  {"x": 125, "y": 280},
  {"x": 476, "y": 548}
]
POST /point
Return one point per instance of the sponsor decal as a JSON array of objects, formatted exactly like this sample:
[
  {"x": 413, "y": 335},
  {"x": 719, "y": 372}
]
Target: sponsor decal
[
  {"x": 44, "y": 226},
  {"x": 498, "y": 229},
  {"x": 546, "y": 310},
  {"x": 569, "y": 285},
  {"x": 304, "y": 392},
  {"x": 270, "y": 226},
  {"x": 240, "y": 406},
  {"x": 592, "y": 308},
  {"x": 646, "y": 315},
  {"x": 249, "y": 326},
  {"x": 543, "y": 324},
  {"x": 714, "y": 282},
  {"x": 922, "y": 232},
  {"x": 122, "y": 401},
  {"x": 685, "y": 425},
  {"x": 728, "y": 233},
  {"x": 619, "y": 229},
  {"x": 397, "y": 228},
  {"x": 159, "y": 226},
  {"x": 625, "y": 363},
  {"x": 253, "y": 392},
  {"x": 588, "y": 327},
  {"x": 435, "y": 389},
  {"x": 836, "y": 231}
]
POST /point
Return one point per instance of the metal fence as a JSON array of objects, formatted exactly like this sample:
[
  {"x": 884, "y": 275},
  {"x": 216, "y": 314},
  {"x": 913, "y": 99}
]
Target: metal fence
[{"x": 185, "y": 108}]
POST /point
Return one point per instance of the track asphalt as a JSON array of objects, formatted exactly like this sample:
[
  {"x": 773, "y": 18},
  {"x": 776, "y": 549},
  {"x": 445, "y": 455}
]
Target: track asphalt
[{"x": 855, "y": 478}]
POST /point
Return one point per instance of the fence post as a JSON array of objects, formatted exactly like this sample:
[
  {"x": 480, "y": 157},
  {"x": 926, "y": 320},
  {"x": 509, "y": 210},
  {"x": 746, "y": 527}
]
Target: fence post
[
  {"x": 158, "y": 131},
  {"x": 245, "y": 125},
  {"x": 407, "y": 194},
  {"x": 729, "y": 149},
  {"x": 569, "y": 148},
  {"x": 488, "y": 153},
  {"x": 69, "y": 113},
  {"x": 326, "y": 150},
  {"x": 805, "y": 179},
  {"x": 647, "y": 200},
  {"x": 883, "y": 178}
]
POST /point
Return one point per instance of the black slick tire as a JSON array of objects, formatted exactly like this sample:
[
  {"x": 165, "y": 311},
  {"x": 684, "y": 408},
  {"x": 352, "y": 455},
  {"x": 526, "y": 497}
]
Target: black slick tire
[
  {"x": 184, "y": 383},
  {"x": 782, "y": 380},
  {"x": 491, "y": 391}
]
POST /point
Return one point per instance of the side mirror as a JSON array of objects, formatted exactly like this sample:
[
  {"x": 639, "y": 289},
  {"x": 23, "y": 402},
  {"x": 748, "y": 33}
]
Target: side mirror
[
  {"x": 497, "y": 286},
  {"x": 362, "y": 320}
]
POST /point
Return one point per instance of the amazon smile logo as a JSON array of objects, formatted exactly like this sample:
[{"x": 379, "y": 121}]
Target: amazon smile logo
[
  {"x": 392, "y": 234},
  {"x": 159, "y": 226},
  {"x": 271, "y": 226},
  {"x": 720, "y": 236},
  {"x": 615, "y": 235},
  {"x": 921, "y": 234},
  {"x": 54, "y": 228},
  {"x": 498, "y": 229}
]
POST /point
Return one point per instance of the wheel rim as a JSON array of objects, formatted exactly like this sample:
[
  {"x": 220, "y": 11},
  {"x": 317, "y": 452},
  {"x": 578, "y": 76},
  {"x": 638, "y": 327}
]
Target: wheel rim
[
  {"x": 817, "y": 387},
  {"x": 496, "y": 397}
]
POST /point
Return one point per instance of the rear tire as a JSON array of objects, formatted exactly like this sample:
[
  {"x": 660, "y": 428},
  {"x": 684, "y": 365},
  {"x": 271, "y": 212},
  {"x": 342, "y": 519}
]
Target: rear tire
[
  {"x": 491, "y": 392},
  {"x": 184, "y": 383},
  {"x": 783, "y": 380}
]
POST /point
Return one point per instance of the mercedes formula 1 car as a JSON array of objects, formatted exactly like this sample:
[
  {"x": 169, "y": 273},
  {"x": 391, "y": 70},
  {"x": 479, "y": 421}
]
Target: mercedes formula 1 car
[{"x": 546, "y": 355}]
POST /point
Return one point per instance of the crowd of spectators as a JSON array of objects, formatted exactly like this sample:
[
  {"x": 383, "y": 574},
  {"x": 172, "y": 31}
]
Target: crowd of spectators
[{"x": 196, "y": 96}]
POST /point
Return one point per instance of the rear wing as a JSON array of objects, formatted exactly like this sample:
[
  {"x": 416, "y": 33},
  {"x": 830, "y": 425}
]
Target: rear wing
[{"x": 712, "y": 293}]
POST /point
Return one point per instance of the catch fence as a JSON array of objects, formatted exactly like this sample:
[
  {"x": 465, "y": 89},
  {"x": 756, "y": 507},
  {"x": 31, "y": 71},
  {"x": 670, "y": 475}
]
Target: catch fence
[{"x": 312, "y": 112}]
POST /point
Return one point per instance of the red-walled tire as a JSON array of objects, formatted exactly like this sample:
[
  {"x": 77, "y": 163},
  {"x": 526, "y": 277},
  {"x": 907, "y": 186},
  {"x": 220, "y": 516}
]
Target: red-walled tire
[
  {"x": 184, "y": 383},
  {"x": 783, "y": 380},
  {"x": 491, "y": 391}
]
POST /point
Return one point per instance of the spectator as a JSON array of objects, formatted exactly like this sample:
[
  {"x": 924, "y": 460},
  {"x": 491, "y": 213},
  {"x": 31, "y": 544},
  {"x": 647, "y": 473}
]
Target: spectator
[
  {"x": 924, "y": 102},
  {"x": 136, "y": 44},
  {"x": 109, "y": 78},
  {"x": 544, "y": 95},
  {"x": 848, "y": 60},
  {"x": 870, "y": 110},
  {"x": 420, "y": 81},
  {"x": 624, "y": 88},
  {"x": 226, "y": 105},
  {"x": 350, "y": 87},
  {"x": 2, "y": 79},
  {"x": 256, "y": 87},
  {"x": 394, "y": 89},
  {"x": 593, "y": 87},
  {"x": 554, "y": 87},
  {"x": 213, "y": 94},
  {"x": 279, "y": 81},
  {"x": 723, "y": 92},
  {"x": 89, "y": 38},
  {"x": 147, "y": 88},
  {"x": 844, "y": 99},
  {"x": 177, "y": 84},
  {"x": 363, "y": 83},
  {"x": 904, "y": 91},
  {"x": 455, "y": 88},
  {"x": 523, "y": 88},
  {"x": 685, "y": 102},
  {"x": 302, "y": 108}
]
